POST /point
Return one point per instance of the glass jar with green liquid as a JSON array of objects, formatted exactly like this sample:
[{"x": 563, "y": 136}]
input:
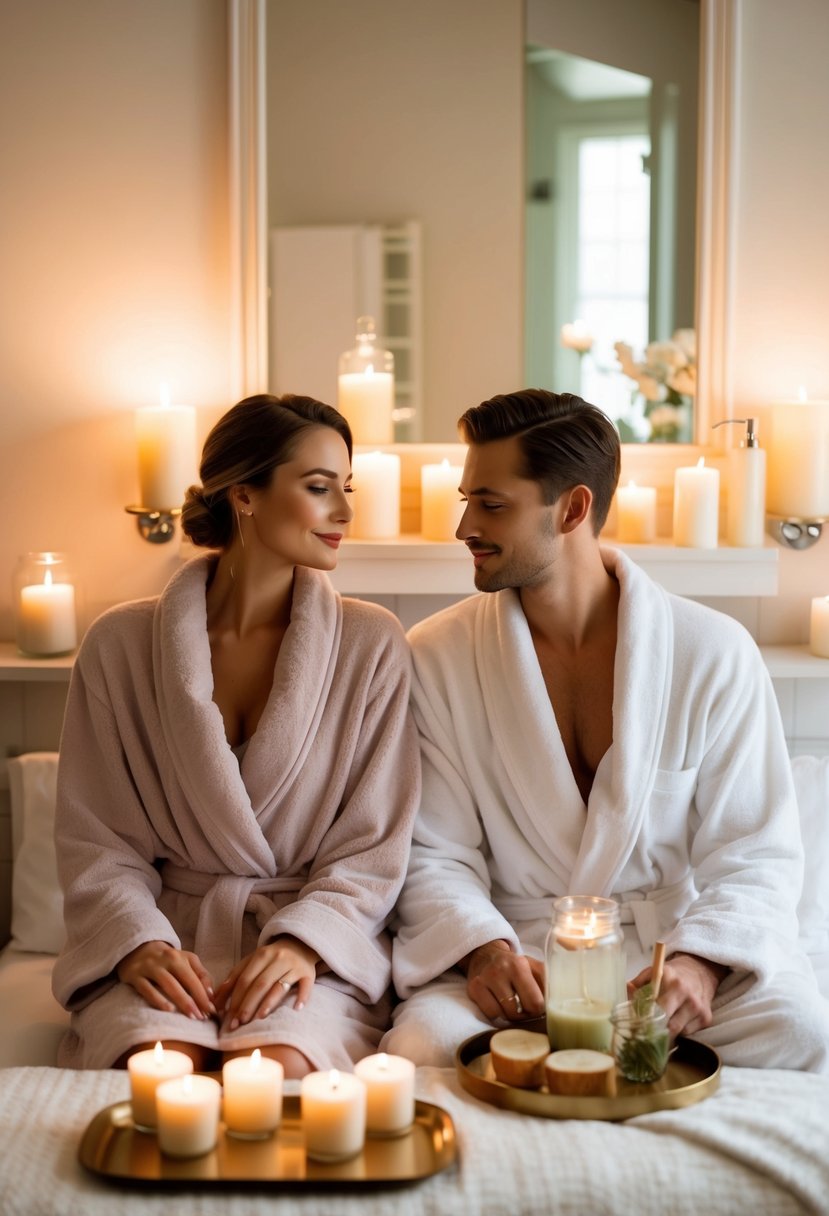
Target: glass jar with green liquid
[{"x": 585, "y": 971}]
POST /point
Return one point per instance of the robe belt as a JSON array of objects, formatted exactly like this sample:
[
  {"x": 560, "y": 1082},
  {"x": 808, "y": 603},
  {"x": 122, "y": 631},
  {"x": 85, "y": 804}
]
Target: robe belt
[
  {"x": 225, "y": 900},
  {"x": 646, "y": 911}
]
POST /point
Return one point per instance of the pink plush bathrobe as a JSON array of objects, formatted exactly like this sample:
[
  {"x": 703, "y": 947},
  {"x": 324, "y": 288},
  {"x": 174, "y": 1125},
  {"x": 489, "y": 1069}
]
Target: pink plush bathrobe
[{"x": 162, "y": 833}]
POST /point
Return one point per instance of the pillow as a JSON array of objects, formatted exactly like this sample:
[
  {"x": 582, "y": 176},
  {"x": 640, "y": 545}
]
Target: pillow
[
  {"x": 811, "y": 783},
  {"x": 37, "y": 900}
]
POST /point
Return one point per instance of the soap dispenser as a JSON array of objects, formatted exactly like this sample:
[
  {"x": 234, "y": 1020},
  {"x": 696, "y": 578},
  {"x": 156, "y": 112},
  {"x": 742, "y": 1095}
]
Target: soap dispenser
[{"x": 745, "y": 517}]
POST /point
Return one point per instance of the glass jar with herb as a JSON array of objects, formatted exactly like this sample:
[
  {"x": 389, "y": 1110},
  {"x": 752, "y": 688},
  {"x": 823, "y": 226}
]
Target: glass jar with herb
[{"x": 640, "y": 1043}]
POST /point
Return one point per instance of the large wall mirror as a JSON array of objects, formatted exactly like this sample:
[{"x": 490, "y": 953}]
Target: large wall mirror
[{"x": 470, "y": 139}]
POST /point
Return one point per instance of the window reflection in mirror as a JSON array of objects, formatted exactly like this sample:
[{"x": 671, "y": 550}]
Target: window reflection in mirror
[{"x": 610, "y": 241}]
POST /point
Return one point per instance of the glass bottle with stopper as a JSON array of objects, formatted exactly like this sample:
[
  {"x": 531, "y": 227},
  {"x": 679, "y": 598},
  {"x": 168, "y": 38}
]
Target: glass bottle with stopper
[
  {"x": 746, "y": 513},
  {"x": 365, "y": 387},
  {"x": 585, "y": 971}
]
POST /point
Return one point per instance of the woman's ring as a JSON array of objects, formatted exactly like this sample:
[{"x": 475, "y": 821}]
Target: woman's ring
[{"x": 286, "y": 985}]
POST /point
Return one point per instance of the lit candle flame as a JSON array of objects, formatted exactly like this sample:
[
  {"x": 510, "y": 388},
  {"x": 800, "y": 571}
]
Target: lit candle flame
[
  {"x": 158, "y": 1055},
  {"x": 701, "y": 462},
  {"x": 334, "y": 1078},
  {"x": 256, "y": 1058}
]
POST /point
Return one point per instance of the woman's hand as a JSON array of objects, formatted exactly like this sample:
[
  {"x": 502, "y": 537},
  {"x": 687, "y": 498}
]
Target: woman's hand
[
  {"x": 168, "y": 979},
  {"x": 503, "y": 984},
  {"x": 688, "y": 987},
  {"x": 259, "y": 983}
]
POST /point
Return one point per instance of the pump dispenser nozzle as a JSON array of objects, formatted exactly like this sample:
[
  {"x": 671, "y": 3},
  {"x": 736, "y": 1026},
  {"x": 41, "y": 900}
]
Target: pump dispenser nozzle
[{"x": 749, "y": 440}]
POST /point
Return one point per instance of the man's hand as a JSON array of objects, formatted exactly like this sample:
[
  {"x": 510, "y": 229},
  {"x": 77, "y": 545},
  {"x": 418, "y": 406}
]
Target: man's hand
[
  {"x": 168, "y": 979},
  {"x": 689, "y": 984},
  {"x": 503, "y": 984},
  {"x": 262, "y": 980}
]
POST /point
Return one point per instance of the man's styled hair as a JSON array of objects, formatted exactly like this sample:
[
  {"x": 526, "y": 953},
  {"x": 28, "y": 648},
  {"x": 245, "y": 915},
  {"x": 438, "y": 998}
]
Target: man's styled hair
[{"x": 564, "y": 441}]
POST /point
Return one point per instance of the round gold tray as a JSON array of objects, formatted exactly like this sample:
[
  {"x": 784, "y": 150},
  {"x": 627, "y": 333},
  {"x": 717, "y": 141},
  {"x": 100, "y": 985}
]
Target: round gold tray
[{"x": 693, "y": 1073}]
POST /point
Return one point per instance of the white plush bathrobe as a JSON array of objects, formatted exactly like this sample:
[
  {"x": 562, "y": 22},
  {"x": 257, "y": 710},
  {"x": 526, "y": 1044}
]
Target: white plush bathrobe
[
  {"x": 162, "y": 833},
  {"x": 691, "y": 823}
]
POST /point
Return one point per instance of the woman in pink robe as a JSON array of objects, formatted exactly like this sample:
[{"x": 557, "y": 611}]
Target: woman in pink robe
[{"x": 238, "y": 776}]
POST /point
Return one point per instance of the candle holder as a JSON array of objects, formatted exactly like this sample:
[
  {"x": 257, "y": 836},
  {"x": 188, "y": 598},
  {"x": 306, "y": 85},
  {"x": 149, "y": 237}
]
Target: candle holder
[
  {"x": 45, "y": 600},
  {"x": 155, "y": 526},
  {"x": 793, "y": 532},
  {"x": 365, "y": 387},
  {"x": 585, "y": 971}
]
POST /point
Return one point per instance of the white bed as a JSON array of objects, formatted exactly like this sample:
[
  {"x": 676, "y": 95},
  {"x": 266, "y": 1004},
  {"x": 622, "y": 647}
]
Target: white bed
[{"x": 761, "y": 1143}]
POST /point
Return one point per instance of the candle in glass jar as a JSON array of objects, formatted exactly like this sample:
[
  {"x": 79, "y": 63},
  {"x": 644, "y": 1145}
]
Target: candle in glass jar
[
  {"x": 167, "y": 460},
  {"x": 636, "y": 514},
  {"x": 797, "y": 458},
  {"x": 819, "y": 627},
  {"x": 252, "y": 1103},
  {"x": 376, "y": 499},
  {"x": 45, "y": 621},
  {"x": 366, "y": 399},
  {"x": 390, "y": 1096},
  {"x": 440, "y": 505},
  {"x": 696, "y": 506},
  {"x": 188, "y": 1115},
  {"x": 585, "y": 972},
  {"x": 333, "y": 1106},
  {"x": 147, "y": 1070}
]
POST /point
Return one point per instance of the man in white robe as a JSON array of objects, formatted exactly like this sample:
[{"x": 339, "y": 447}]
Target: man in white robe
[{"x": 583, "y": 732}]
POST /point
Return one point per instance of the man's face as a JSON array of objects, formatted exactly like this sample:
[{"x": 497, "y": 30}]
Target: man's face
[{"x": 509, "y": 531}]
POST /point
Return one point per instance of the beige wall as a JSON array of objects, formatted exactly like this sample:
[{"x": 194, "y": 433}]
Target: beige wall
[
  {"x": 781, "y": 290},
  {"x": 114, "y": 249},
  {"x": 390, "y": 110}
]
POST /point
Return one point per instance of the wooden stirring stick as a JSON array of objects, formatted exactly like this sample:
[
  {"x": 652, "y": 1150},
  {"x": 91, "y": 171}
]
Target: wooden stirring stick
[{"x": 657, "y": 965}]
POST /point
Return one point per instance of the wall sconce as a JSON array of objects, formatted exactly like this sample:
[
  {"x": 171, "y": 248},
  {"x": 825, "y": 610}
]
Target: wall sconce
[
  {"x": 166, "y": 436},
  {"x": 797, "y": 496}
]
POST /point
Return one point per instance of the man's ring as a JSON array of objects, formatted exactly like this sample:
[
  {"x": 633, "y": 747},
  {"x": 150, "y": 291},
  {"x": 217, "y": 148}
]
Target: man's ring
[
  {"x": 519, "y": 1008},
  {"x": 286, "y": 985}
]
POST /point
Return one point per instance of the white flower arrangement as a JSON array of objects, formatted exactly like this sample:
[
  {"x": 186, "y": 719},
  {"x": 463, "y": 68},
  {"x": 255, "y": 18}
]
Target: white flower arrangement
[{"x": 667, "y": 382}]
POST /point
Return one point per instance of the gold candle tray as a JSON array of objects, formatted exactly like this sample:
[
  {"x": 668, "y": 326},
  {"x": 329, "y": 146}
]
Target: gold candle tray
[
  {"x": 693, "y": 1073},
  {"x": 113, "y": 1147}
]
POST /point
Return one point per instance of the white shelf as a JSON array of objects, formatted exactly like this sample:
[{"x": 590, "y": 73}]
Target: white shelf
[
  {"x": 15, "y": 666},
  {"x": 794, "y": 663},
  {"x": 410, "y": 565}
]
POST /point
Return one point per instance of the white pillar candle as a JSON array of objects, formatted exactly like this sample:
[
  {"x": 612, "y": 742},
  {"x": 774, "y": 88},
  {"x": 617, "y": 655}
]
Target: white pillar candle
[
  {"x": 819, "y": 627},
  {"x": 797, "y": 459},
  {"x": 696, "y": 506},
  {"x": 333, "y": 1106},
  {"x": 440, "y": 504},
  {"x": 366, "y": 399},
  {"x": 167, "y": 460},
  {"x": 376, "y": 498},
  {"x": 390, "y": 1082},
  {"x": 636, "y": 514},
  {"x": 188, "y": 1115},
  {"x": 252, "y": 1085},
  {"x": 46, "y": 617},
  {"x": 147, "y": 1070}
]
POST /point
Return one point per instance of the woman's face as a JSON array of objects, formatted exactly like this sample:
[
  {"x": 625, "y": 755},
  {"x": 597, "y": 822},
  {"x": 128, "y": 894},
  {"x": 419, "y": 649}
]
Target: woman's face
[{"x": 302, "y": 514}]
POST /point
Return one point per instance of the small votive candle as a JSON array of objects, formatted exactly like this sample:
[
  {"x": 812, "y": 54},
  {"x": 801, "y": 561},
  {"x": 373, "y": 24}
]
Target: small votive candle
[
  {"x": 252, "y": 1103},
  {"x": 390, "y": 1082},
  {"x": 333, "y": 1106},
  {"x": 147, "y": 1070},
  {"x": 636, "y": 514},
  {"x": 696, "y": 506},
  {"x": 188, "y": 1115},
  {"x": 819, "y": 627}
]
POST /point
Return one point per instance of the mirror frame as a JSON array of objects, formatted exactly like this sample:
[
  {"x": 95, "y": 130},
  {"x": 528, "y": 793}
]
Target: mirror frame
[{"x": 716, "y": 212}]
